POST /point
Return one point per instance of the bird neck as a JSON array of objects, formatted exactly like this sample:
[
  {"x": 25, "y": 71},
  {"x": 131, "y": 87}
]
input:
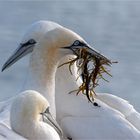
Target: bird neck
[
  {"x": 43, "y": 68},
  {"x": 65, "y": 83},
  {"x": 27, "y": 127},
  {"x": 66, "y": 77},
  {"x": 23, "y": 123}
]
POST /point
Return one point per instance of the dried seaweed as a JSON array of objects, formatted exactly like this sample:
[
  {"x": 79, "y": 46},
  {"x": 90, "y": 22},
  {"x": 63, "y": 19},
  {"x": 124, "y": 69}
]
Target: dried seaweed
[{"x": 91, "y": 70}]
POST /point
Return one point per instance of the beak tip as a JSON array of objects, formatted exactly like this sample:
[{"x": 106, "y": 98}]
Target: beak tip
[{"x": 3, "y": 68}]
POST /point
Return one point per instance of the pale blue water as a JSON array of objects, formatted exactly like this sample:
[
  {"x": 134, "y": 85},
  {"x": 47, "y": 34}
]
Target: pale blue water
[{"x": 111, "y": 27}]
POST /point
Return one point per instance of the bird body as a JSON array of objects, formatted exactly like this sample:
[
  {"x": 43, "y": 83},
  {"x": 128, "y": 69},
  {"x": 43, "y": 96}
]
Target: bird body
[{"x": 6, "y": 133}]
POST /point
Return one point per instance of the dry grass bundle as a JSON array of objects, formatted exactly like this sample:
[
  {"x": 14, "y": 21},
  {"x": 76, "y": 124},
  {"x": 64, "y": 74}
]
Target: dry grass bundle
[{"x": 91, "y": 69}]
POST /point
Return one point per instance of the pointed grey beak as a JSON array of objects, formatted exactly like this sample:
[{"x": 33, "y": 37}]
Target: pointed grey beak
[
  {"x": 20, "y": 52},
  {"x": 92, "y": 52},
  {"x": 47, "y": 117}
]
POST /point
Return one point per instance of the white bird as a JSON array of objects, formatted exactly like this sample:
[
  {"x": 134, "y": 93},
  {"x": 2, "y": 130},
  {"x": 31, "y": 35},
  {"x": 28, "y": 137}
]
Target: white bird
[
  {"x": 27, "y": 119},
  {"x": 78, "y": 118}
]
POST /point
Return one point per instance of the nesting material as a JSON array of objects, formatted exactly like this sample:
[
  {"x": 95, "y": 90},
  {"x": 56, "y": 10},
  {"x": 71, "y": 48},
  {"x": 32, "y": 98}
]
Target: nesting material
[{"x": 91, "y": 70}]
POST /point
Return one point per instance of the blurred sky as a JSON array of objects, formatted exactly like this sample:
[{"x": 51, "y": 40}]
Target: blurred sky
[{"x": 112, "y": 27}]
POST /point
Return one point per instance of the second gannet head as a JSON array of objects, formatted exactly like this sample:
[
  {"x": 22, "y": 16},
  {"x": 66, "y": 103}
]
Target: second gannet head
[{"x": 30, "y": 117}]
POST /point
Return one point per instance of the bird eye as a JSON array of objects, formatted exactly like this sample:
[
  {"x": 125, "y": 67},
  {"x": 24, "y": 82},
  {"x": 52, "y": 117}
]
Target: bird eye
[
  {"x": 76, "y": 43},
  {"x": 29, "y": 42},
  {"x": 47, "y": 110},
  {"x": 32, "y": 41}
]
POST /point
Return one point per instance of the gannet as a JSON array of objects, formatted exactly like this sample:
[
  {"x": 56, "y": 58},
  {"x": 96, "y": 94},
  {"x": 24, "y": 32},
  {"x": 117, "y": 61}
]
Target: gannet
[
  {"x": 71, "y": 111},
  {"x": 27, "y": 115}
]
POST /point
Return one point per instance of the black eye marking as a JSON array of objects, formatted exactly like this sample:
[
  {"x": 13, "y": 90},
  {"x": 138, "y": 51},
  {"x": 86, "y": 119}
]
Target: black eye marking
[
  {"x": 32, "y": 41},
  {"x": 29, "y": 42},
  {"x": 47, "y": 110},
  {"x": 78, "y": 43}
]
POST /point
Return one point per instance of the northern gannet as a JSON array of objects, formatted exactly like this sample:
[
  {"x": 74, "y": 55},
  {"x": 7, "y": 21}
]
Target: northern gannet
[{"x": 27, "y": 115}]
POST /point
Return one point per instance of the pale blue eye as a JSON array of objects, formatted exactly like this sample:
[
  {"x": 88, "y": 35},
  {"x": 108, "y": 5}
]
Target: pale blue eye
[
  {"x": 76, "y": 43},
  {"x": 32, "y": 41}
]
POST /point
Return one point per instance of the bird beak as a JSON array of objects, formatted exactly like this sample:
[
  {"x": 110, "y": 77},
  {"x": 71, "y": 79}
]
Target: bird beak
[
  {"x": 20, "y": 52},
  {"x": 90, "y": 51},
  {"x": 94, "y": 53},
  {"x": 47, "y": 117}
]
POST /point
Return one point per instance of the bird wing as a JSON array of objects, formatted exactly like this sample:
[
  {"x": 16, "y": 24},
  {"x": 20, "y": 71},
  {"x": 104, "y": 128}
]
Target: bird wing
[
  {"x": 7, "y": 134},
  {"x": 5, "y": 111},
  {"x": 106, "y": 126},
  {"x": 122, "y": 106}
]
